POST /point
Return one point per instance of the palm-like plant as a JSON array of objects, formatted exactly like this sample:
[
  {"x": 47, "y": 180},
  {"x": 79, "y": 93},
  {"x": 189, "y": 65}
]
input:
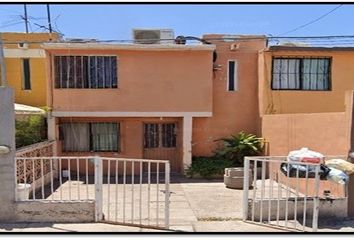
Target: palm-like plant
[{"x": 238, "y": 146}]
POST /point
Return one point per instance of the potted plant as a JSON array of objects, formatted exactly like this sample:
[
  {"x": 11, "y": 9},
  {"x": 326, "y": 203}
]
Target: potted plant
[{"x": 235, "y": 148}]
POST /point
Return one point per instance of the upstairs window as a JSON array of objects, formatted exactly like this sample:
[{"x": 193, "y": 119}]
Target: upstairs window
[
  {"x": 26, "y": 74},
  {"x": 301, "y": 74},
  {"x": 232, "y": 75},
  {"x": 85, "y": 71}
]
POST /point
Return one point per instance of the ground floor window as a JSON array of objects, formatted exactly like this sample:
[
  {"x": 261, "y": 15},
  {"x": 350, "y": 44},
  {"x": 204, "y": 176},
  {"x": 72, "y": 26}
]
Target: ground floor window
[
  {"x": 86, "y": 137},
  {"x": 160, "y": 135}
]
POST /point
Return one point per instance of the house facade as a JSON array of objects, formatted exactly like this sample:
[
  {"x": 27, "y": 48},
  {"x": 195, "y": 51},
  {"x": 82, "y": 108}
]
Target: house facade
[
  {"x": 26, "y": 66},
  {"x": 128, "y": 100},
  {"x": 153, "y": 101},
  {"x": 295, "y": 79},
  {"x": 235, "y": 91}
]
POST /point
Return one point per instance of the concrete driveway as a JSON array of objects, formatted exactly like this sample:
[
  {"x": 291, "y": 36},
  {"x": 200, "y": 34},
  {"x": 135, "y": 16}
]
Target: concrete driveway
[{"x": 199, "y": 205}]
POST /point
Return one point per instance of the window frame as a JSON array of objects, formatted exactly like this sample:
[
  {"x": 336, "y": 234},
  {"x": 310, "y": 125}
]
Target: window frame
[
  {"x": 119, "y": 141},
  {"x": 24, "y": 75},
  {"x": 160, "y": 134},
  {"x": 87, "y": 69},
  {"x": 235, "y": 75},
  {"x": 301, "y": 58}
]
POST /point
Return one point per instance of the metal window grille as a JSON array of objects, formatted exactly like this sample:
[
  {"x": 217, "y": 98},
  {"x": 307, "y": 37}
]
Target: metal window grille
[
  {"x": 85, "y": 71},
  {"x": 301, "y": 74},
  {"x": 160, "y": 135},
  {"x": 168, "y": 135},
  {"x": 151, "y": 135}
]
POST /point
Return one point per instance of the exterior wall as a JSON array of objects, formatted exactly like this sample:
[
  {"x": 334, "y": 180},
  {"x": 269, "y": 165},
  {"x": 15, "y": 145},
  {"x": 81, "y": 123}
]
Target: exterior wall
[
  {"x": 131, "y": 141},
  {"x": 297, "y": 101},
  {"x": 148, "y": 81},
  {"x": 322, "y": 132},
  {"x": 232, "y": 111},
  {"x": 327, "y": 133},
  {"x": 13, "y": 60}
]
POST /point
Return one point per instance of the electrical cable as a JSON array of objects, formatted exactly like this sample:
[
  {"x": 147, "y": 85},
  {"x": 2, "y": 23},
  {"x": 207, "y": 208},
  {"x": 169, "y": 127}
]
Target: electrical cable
[{"x": 313, "y": 21}]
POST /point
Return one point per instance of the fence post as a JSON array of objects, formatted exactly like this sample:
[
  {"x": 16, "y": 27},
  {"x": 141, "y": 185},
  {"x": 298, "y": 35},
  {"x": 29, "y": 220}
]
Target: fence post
[
  {"x": 316, "y": 200},
  {"x": 245, "y": 188},
  {"x": 98, "y": 189},
  {"x": 167, "y": 195}
]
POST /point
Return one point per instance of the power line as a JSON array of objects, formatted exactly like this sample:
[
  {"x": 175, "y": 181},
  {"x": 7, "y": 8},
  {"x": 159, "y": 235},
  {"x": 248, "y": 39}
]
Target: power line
[
  {"x": 306, "y": 39},
  {"x": 313, "y": 21}
]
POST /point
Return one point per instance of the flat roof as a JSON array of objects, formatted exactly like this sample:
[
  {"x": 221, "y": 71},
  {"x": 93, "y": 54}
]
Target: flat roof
[
  {"x": 67, "y": 45},
  {"x": 303, "y": 48}
]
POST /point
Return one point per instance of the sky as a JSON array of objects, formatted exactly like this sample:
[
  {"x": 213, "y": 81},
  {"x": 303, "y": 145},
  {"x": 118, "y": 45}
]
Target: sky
[{"x": 117, "y": 21}]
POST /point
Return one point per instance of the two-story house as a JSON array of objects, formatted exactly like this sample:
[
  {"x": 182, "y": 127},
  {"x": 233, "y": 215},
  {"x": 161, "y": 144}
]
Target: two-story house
[
  {"x": 128, "y": 100},
  {"x": 153, "y": 101}
]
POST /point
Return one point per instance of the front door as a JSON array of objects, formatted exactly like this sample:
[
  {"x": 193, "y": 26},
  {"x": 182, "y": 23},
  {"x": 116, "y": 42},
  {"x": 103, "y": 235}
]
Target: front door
[{"x": 160, "y": 143}]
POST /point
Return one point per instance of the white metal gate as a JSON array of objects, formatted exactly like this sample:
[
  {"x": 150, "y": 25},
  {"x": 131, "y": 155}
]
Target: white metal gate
[
  {"x": 125, "y": 194},
  {"x": 287, "y": 200},
  {"x": 122, "y": 191}
]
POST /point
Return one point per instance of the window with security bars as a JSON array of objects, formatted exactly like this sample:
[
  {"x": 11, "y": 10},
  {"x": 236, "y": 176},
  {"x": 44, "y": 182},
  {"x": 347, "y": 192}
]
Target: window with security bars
[
  {"x": 85, "y": 71},
  {"x": 301, "y": 74},
  {"x": 160, "y": 135},
  {"x": 86, "y": 137}
]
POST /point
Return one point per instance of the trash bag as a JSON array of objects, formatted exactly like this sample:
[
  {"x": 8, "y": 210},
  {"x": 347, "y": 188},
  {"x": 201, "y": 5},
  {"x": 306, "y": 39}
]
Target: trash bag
[
  {"x": 304, "y": 155},
  {"x": 340, "y": 164},
  {"x": 337, "y": 176},
  {"x": 323, "y": 171}
]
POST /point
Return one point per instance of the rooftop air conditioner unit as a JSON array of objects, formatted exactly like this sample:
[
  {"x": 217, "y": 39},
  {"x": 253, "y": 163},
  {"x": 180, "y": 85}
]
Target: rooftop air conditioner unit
[{"x": 153, "y": 36}]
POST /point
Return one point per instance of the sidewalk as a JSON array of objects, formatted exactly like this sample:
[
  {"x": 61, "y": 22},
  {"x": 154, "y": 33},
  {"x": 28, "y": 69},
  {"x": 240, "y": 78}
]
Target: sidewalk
[
  {"x": 70, "y": 227},
  {"x": 210, "y": 226}
]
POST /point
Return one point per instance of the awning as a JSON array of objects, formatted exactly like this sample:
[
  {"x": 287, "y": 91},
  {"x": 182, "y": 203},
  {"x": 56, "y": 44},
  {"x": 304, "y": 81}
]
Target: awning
[{"x": 25, "y": 109}]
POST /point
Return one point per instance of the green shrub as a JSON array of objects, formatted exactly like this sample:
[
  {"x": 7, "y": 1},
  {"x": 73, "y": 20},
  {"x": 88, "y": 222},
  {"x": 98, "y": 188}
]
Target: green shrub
[
  {"x": 208, "y": 167},
  {"x": 30, "y": 130},
  {"x": 236, "y": 147}
]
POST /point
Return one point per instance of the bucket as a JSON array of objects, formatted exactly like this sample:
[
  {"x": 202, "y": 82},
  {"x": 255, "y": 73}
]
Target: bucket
[
  {"x": 23, "y": 191},
  {"x": 65, "y": 173}
]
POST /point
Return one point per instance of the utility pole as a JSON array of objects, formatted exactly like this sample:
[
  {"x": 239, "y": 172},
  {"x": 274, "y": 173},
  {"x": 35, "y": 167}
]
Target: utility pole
[
  {"x": 49, "y": 20},
  {"x": 26, "y": 19},
  {"x": 3, "y": 81}
]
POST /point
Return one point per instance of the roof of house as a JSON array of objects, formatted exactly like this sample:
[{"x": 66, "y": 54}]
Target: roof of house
[
  {"x": 151, "y": 47},
  {"x": 307, "y": 48}
]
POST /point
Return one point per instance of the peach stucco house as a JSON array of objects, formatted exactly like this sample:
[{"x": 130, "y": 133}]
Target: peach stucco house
[{"x": 154, "y": 101}]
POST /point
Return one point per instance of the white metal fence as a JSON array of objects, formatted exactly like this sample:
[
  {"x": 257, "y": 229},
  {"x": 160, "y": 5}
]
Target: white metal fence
[
  {"x": 127, "y": 191},
  {"x": 287, "y": 199}
]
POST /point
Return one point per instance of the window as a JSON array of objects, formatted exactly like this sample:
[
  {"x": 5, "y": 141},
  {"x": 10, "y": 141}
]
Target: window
[
  {"x": 301, "y": 74},
  {"x": 26, "y": 74},
  {"x": 159, "y": 135},
  {"x": 232, "y": 75},
  {"x": 104, "y": 137},
  {"x": 151, "y": 135},
  {"x": 85, "y": 71},
  {"x": 85, "y": 137},
  {"x": 168, "y": 135}
]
